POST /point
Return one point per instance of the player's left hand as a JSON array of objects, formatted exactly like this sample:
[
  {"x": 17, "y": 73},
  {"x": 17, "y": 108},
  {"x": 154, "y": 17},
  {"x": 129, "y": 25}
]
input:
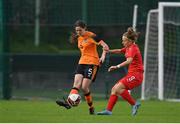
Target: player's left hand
[
  {"x": 101, "y": 60},
  {"x": 112, "y": 68},
  {"x": 106, "y": 48}
]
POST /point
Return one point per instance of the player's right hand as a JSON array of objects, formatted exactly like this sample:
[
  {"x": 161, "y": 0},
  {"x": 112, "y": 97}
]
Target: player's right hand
[{"x": 112, "y": 68}]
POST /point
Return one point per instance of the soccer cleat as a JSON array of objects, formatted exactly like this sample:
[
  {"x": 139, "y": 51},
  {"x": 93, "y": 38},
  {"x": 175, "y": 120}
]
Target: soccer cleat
[
  {"x": 91, "y": 111},
  {"x": 105, "y": 112},
  {"x": 135, "y": 108},
  {"x": 63, "y": 103}
]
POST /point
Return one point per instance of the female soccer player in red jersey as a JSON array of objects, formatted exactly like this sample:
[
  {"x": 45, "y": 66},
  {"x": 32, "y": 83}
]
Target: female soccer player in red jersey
[
  {"x": 134, "y": 76},
  {"x": 88, "y": 64}
]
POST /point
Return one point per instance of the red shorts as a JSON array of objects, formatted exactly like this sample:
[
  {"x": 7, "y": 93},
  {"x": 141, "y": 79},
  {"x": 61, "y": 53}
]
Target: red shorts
[{"x": 132, "y": 80}]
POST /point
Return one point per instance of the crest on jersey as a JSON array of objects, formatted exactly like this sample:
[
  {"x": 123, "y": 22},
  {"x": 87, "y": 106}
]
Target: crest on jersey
[{"x": 85, "y": 40}]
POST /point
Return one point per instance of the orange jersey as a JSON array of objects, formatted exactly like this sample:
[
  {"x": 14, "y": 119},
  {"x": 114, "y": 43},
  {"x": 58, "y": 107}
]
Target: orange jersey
[{"x": 88, "y": 48}]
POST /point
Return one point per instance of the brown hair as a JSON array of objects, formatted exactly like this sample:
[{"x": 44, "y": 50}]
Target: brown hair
[
  {"x": 131, "y": 34},
  {"x": 80, "y": 23},
  {"x": 74, "y": 36}
]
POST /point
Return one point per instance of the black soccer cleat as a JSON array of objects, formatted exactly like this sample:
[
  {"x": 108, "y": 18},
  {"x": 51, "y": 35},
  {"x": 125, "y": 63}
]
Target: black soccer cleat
[
  {"x": 91, "y": 111},
  {"x": 63, "y": 103}
]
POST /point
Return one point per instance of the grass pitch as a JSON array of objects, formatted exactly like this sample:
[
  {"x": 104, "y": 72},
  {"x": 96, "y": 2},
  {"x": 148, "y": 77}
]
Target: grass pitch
[{"x": 47, "y": 111}]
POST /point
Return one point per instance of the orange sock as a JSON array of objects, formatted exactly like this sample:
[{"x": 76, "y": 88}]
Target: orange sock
[
  {"x": 74, "y": 90},
  {"x": 88, "y": 99}
]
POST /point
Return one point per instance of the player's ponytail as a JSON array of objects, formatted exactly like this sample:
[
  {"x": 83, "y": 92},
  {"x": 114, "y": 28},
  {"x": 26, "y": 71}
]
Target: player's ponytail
[{"x": 131, "y": 34}]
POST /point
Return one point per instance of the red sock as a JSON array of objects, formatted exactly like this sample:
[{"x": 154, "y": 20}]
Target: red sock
[
  {"x": 126, "y": 96},
  {"x": 112, "y": 102}
]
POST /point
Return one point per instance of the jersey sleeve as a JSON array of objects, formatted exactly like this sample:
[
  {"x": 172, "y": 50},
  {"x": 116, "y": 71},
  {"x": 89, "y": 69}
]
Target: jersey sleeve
[{"x": 123, "y": 50}]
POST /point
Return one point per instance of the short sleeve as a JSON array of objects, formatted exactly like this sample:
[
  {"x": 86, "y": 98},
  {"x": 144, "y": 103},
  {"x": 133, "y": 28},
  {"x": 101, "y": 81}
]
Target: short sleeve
[{"x": 123, "y": 50}]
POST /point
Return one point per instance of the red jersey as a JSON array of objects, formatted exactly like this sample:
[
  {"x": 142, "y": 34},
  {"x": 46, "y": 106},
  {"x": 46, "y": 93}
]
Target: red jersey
[{"x": 134, "y": 52}]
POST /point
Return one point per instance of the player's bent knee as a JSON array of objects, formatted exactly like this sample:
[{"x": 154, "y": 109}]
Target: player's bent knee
[
  {"x": 114, "y": 91},
  {"x": 117, "y": 89}
]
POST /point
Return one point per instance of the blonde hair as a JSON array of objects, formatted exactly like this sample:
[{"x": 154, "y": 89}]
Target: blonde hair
[{"x": 131, "y": 34}]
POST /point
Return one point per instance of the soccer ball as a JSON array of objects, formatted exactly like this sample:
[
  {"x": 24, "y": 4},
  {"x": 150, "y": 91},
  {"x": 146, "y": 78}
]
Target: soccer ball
[{"x": 74, "y": 99}]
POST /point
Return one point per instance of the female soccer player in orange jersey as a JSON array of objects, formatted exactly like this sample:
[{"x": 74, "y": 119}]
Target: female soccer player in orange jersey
[
  {"x": 88, "y": 64},
  {"x": 134, "y": 76}
]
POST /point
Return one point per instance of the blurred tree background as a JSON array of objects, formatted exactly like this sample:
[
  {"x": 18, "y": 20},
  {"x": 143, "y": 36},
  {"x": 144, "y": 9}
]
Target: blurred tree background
[{"x": 56, "y": 18}]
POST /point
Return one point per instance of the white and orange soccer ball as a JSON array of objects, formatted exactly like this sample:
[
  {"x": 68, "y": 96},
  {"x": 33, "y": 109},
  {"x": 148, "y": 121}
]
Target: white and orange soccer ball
[{"x": 74, "y": 99}]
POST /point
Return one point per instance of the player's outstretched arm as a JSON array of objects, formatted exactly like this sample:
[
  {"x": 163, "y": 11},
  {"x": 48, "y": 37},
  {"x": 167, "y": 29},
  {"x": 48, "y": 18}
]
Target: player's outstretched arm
[
  {"x": 103, "y": 56},
  {"x": 105, "y": 49},
  {"x": 104, "y": 45},
  {"x": 125, "y": 63},
  {"x": 117, "y": 51}
]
